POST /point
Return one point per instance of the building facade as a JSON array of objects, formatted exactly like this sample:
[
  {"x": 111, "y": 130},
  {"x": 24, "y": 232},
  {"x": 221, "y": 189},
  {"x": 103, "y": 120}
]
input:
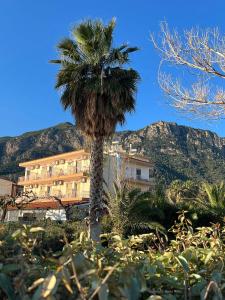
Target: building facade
[
  {"x": 66, "y": 176},
  {"x": 135, "y": 170},
  {"x": 8, "y": 188}
]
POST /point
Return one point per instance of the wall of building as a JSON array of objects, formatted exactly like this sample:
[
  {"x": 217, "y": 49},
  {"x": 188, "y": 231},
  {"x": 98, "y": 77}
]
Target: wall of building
[
  {"x": 5, "y": 187},
  {"x": 131, "y": 171},
  {"x": 64, "y": 167},
  {"x": 53, "y": 214},
  {"x": 41, "y": 214},
  {"x": 66, "y": 189},
  {"x": 61, "y": 188},
  {"x": 118, "y": 169}
]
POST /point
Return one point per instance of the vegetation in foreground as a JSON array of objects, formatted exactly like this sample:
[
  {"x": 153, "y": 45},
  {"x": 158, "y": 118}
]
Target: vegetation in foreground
[
  {"x": 139, "y": 256},
  {"x": 64, "y": 263}
]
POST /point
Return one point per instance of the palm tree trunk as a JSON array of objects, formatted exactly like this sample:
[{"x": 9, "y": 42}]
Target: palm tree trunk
[{"x": 96, "y": 188}]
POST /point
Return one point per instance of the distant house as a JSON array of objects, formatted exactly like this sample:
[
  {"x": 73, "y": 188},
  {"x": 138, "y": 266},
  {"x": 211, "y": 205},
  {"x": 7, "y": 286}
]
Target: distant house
[{"x": 8, "y": 187}]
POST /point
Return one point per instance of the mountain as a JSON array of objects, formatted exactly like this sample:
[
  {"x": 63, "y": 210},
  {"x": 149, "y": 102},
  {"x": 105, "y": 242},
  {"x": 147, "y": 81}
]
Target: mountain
[{"x": 178, "y": 152}]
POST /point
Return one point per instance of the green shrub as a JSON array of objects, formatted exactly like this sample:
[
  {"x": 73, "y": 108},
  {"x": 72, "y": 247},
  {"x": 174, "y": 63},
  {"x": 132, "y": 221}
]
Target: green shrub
[{"x": 189, "y": 266}]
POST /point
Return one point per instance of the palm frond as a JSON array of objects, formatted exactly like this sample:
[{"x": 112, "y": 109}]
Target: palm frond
[{"x": 95, "y": 85}]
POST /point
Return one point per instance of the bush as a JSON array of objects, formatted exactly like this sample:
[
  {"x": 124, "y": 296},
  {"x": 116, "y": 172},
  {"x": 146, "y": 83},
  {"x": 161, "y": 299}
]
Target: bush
[{"x": 189, "y": 266}]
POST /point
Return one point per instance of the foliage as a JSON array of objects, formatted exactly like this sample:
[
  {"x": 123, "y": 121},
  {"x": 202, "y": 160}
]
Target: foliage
[
  {"x": 212, "y": 198},
  {"x": 179, "y": 191},
  {"x": 135, "y": 212},
  {"x": 96, "y": 85},
  {"x": 132, "y": 211},
  {"x": 190, "y": 266}
]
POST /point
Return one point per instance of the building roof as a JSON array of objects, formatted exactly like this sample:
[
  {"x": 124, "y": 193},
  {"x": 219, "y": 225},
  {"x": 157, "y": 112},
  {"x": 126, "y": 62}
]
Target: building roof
[
  {"x": 66, "y": 155},
  {"x": 6, "y": 179},
  {"x": 51, "y": 204},
  {"x": 73, "y": 154},
  {"x": 133, "y": 157}
]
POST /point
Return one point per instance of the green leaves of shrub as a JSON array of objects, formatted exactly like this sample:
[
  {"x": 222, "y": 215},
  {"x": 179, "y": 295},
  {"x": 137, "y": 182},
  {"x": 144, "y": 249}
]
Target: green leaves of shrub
[{"x": 139, "y": 267}]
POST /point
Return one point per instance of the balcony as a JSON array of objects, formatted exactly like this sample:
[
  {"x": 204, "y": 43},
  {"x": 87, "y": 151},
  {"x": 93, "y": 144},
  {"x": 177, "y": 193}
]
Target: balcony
[
  {"x": 68, "y": 195},
  {"x": 139, "y": 179},
  {"x": 53, "y": 175}
]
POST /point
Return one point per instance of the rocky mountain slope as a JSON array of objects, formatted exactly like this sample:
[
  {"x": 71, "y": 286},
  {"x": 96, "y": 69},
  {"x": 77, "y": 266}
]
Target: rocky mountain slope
[{"x": 177, "y": 151}]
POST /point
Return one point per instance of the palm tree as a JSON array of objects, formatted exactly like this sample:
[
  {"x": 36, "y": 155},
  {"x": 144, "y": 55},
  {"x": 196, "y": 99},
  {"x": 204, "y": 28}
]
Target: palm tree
[
  {"x": 212, "y": 198},
  {"x": 182, "y": 191},
  {"x": 99, "y": 89},
  {"x": 133, "y": 210}
]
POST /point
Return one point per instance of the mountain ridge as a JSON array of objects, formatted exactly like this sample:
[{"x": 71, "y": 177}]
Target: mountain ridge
[{"x": 177, "y": 151}]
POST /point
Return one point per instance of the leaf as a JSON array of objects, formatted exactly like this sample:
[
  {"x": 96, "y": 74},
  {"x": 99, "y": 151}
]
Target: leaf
[
  {"x": 196, "y": 276},
  {"x": 35, "y": 284},
  {"x": 48, "y": 285},
  {"x": 67, "y": 285},
  {"x": 37, "y": 229},
  {"x": 209, "y": 255},
  {"x": 6, "y": 286},
  {"x": 16, "y": 233},
  {"x": 103, "y": 292},
  {"x": 116, "y": 238},
  {"x": 217, "y": 276},
  {"x": 10, "y": 268},
  {"x": 183, "y": 262},
  {"x": 37, "y": 294}
]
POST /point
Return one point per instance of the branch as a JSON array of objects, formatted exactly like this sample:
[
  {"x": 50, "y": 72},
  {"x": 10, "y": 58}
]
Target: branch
[
  {"x": 199, "y": 98},
  {"x": 203, "y": 53},
  {"x": 200, "y": 50}
]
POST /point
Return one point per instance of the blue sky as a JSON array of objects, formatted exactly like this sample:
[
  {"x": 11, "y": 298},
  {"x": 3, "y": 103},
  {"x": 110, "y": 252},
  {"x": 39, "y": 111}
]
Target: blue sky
[{"x": 30, "y": 31}]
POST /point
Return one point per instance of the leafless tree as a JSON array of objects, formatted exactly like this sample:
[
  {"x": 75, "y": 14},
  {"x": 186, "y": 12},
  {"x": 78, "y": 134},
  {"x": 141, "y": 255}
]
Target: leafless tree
[
  {"x": 19, "y": 202},
  {"x": 202, "y": 54}
]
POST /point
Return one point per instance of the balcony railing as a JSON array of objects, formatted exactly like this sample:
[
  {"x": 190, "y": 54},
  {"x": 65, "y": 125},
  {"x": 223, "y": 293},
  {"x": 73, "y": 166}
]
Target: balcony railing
[
  {"x": 67, "y": 195},
  {"x": 53, "y": 173},
  {"x": 138, "y": 177}
]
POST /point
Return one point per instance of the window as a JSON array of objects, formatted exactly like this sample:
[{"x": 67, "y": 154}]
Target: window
[
  {"x": 138, "y": 173},
  {"x": 48, "y": 190},
  {"x": 78, "y": 166}
]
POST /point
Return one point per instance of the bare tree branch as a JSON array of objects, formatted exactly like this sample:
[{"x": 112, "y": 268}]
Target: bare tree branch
[
  {"x": 21, "y": 200},
  {"x": 203, "y": 53}
]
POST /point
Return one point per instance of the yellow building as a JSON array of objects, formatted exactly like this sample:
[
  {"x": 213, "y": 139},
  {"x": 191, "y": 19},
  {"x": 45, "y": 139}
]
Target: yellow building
[{"x": 66, "y": 176}]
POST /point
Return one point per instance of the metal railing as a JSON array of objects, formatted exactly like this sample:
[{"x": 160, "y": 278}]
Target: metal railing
[
  {"x": 62, "y": 172},
  {"x": 138, "y": 177},
  {"x": 69, "y": 194}
]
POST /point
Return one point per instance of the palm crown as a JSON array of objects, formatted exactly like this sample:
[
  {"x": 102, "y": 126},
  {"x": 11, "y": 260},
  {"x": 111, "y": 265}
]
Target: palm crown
[{"x": 96, "y": 86}]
